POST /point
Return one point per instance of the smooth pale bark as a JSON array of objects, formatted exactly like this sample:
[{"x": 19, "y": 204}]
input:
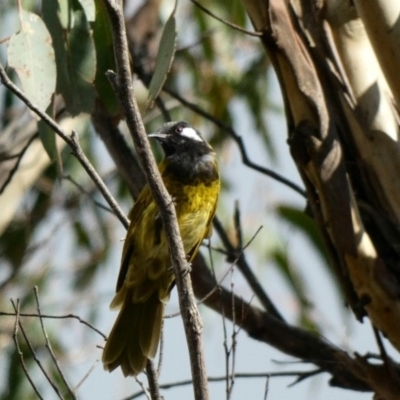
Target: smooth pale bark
[
  {"x": 338, "y": 102},
  {"x": 381, "y": 19}
]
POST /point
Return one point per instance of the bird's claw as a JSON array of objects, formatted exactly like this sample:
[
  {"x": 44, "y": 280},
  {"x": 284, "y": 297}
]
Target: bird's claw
[{"x": 185, "y": 270}]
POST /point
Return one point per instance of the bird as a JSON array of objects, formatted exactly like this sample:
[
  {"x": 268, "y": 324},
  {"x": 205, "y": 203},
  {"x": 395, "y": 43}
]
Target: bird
[{"x": 190, "y": 174}]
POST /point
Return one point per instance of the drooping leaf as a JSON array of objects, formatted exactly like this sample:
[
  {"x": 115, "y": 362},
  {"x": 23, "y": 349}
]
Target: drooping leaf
[
  {"x": 66, "y": 13},
  {"x": 31, "y": 55},
  {"x": 55, "y": 16},
  {"x": 164, "y": 59},
  {"x": 89, "y": 8},
  {"x": 82, "y": 235},
  {"x": 48, "y": 138},
  {"x": 291, "y": 276},
  {"x": 298, "y": 286},
  {"x": 103, "y": 40},
  {"x": 75, "y": 53},
  {"x": 82, "y": 57},
  {"x": 302, "y": 221}
]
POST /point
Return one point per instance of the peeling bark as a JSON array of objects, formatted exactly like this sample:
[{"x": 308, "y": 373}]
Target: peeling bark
[{"x": 336, "y": 64}]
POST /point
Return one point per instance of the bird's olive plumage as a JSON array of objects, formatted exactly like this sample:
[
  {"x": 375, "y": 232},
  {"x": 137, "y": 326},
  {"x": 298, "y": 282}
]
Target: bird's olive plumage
[{"x": 190, "y": 173}]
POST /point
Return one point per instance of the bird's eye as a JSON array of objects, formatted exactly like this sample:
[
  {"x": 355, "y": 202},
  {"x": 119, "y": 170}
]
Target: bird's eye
[{"x": 178, "y": 129}]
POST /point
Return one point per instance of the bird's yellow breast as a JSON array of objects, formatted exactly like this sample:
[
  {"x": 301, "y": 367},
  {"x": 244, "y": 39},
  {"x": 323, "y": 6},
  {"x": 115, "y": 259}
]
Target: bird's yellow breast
[{"x": 146, "y": 244}]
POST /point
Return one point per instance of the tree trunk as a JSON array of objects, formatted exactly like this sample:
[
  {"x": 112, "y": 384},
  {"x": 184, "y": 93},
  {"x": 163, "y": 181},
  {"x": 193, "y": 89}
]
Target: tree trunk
[{"x": 337, "y": 64}]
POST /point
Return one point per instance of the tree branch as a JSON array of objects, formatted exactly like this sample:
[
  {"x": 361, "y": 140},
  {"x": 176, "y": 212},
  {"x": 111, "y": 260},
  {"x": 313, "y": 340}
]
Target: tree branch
[
  {"x": 77, "y": 317},
  {"x": 230, "y": 24},
  {"x": 49, "y": 347},
  {"x": 286, "y": 338},
  {"x": 190, "y": 315},
  {"x": 119, "y": 150},
  {"x": 73, "y": 143},
  {"x": 21, "y": 355},
  {"x": 239, "y": 141},
  {"x": 245, "y": 269}
]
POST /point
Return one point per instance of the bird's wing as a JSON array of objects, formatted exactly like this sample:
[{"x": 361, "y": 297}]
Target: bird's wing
[{"x": 143, "y": 201}]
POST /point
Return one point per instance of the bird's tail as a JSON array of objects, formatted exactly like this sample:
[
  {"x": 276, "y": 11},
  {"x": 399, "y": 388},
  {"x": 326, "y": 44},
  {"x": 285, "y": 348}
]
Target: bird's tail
[{"x": 135, "y": 335}]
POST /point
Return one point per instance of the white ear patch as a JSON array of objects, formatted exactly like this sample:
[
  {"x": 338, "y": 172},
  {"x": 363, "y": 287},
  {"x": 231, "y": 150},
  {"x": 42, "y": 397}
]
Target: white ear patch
[{"x": 190, "y": 133}]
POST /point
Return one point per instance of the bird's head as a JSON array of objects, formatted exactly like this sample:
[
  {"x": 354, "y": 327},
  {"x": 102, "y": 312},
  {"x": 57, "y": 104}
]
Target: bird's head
[{"x": 180, "y": 137}]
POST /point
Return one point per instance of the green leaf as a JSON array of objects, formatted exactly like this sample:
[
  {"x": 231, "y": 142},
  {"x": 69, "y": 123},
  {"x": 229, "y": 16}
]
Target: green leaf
[
  {"x": 89, "y": 8},
  {"x": 55, "y": 18},
  {"x": 82, "y": 235},
  {"x": 292, "y": 277},
  {"x": 302, "y": 221},
  {"x": 103, "y": 41},
  {"x": 164, "y": 59},
  {"x": 48, "y": 138},
  {"x": 298, "y": 286},
  {"x": 66, "y": 12},
  {"x": 82, "y": 57},
  {"x": 31, "y": 55},
  {"x": 75, "y": 54}
]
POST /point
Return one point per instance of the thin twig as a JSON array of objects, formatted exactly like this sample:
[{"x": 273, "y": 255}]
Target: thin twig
[
  {"x": 232, "y": 350},
  {"x": 190, "y": 314},
  {"x": 21, "y": 355},
  {"x": 16, "y": 165},
  {"x": 84, "y": 191},
  {"x": 229, "y": 370},
  {"x": 3, "y": 313},
  {"x": 246, "y": 271},
  {"x": 35, "y": 357},
  {"x": 389, "y": 365},
  {"x": 238, "y": 225},
  {"x": 152, "y": 377},
  {"x": 218, "y": 284},
  {"x": 49, "y": 348},
  {"x": 91, "y": 369},
  {"x": 266, "y": 387},
  {"x": 161, "y": 350},
  {"x": 239, "y": 141},
  {"x": 144, "y": 390},
  {"x": 225, "y": 344},
  {"x": 230, "y": 24},
  {"x": 219, "y": 379},
  {"x": 73, "y": 143},
  {"x": 21, "y": 153}
]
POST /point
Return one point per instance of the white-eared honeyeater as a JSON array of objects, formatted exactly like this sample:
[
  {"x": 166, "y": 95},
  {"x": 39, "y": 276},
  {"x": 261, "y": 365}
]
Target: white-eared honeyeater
[{"x": 190, "y": 173}]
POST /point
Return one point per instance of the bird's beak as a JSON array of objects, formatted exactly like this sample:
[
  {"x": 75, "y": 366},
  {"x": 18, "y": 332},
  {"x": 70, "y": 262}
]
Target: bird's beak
[{"x": 157, "y": 135}]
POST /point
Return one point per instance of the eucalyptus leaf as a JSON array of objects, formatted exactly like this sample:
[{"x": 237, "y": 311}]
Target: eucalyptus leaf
[
  {"x": 302, "y": 221},
  {"x": 31, "y": 55},
  {"x": 103, "y": 40},
  {"x": 53, "y": 14},
  {"x": 164, "y": 59},
  {"x": 48, "y": 138},
  {"x": 89, "y": 8},
  {"x": 82, "y": 58}
]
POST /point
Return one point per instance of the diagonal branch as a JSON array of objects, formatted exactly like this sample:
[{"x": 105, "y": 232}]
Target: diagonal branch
[
  {"x": 49, "y": 347},
  {"x": 119, "y": 150},
  {"x": 73, "y": 143},
  {"x": 230, "y": 24},
  {"x": 239, "y": 141},
  {"x": 286, "y": 338},
  {"x": 21, "y": 355},
  {"x": 190, "y": 314},
  {"x": 245, "y": 269}
]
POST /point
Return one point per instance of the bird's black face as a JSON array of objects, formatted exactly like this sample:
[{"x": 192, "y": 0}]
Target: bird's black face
[
  {"x": 188, "y": 157},
  {"x": 180, "y": 137}
]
